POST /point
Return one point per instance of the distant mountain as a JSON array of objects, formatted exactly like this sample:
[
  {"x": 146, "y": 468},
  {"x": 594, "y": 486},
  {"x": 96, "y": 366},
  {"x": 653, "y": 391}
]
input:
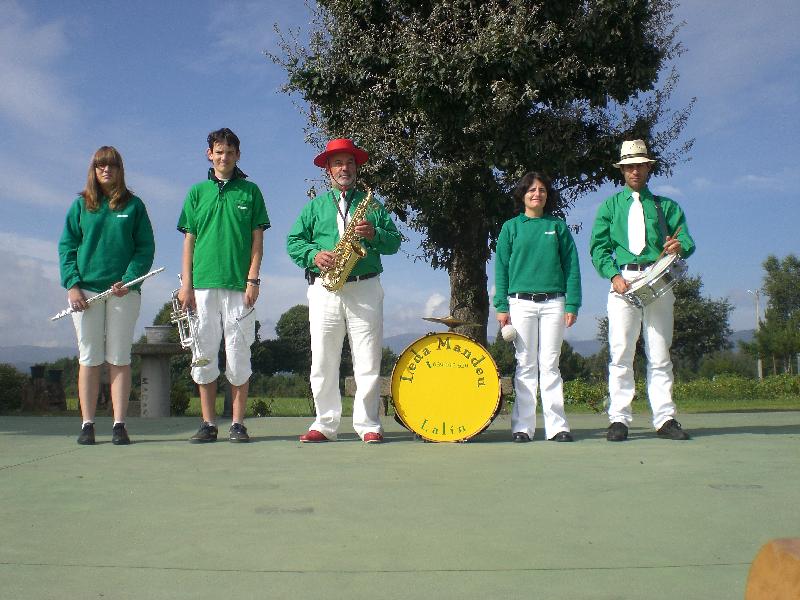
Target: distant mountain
[
  {"x": 585, "y": 347},
  {"x": 398, "y": 343},
  {"x": 745, "y": 335},
  {"x": 23, "y": 357}
]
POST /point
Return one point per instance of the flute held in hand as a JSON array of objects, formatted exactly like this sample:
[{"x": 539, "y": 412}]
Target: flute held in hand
[{"x": 108, "y": 292}]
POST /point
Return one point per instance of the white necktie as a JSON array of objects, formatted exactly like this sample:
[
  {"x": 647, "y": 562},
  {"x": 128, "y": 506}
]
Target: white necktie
[
  {"x": 342, "y": 223},
  {"x": 636, "y": 225}
]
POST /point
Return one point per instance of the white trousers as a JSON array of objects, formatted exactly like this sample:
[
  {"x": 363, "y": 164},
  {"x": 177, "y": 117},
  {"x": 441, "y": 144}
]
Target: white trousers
[
  {"x": 357, "y": 310},
  {"x": 105, "y": 329},
  {"x": 222, "y": 312},
  {"x": 540, "y": 332},
  {"x": 625, "y": 323}
]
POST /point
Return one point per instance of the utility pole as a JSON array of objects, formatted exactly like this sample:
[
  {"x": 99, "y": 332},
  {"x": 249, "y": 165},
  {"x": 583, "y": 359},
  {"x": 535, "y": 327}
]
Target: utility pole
[{"x": 757, "y": 297}]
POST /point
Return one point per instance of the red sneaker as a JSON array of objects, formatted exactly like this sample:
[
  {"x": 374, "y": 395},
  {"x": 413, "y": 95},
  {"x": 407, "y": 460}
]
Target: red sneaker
[
  {"x": 373, "y": 438},
  {"x": 313, "y": 436}
]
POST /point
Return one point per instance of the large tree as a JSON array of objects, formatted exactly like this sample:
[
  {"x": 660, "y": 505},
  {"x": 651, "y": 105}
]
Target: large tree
[{"x": 456, "y": 99}]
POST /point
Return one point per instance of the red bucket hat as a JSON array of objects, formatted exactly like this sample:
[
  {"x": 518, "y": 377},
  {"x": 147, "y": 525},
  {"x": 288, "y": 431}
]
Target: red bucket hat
[{"x": 341, "y": 145}]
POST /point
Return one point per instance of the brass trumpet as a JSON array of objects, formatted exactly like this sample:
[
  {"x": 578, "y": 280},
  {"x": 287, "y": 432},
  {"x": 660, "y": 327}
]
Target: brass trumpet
[{"x": 187, "y": 322}]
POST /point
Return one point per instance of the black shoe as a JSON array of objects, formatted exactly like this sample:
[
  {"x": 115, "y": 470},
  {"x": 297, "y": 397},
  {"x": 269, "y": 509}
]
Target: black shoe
[
  {"x": 238, "y": 433},
  {"x": 562, "y": 436},
  {"x": 672, "y": 430},
  {"x": 521, "y": 437},
  {"x": 617, "y": 432},
  {"x": 86, "y": 438},
  {"x": 206, "y": 433},
  {"x": 119, "y": 436}
]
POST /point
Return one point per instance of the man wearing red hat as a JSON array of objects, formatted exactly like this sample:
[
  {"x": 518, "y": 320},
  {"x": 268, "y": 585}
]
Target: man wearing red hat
[{"x": 357, "y": 308}]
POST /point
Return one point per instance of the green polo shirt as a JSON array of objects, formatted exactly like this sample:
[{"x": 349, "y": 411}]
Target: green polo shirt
[
  {"x": 609, "y": 242},
  {"x": 98, "y": 249},
  {"x": 222, "y": 217},
  {"x": 317, "y": 229},
  {"x": 536, "y": 255}
]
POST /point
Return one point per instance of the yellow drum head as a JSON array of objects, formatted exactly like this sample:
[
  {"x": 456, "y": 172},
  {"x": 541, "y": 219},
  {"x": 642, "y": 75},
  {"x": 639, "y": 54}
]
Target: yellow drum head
[{"x": 446, "y": 387}]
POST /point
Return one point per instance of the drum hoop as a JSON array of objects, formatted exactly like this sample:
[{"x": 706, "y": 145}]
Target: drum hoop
[{"x": 498, "y": 404}]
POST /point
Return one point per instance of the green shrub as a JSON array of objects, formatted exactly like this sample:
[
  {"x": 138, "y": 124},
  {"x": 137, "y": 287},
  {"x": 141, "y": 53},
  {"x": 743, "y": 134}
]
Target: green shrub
[
  {"x": 780, "y": 385},
  {"x": 261, "y": 408},
  {"x": 12, "y": 385},
  {"x": 178, "y": 398},
  {"x": 721, "y": 387},
  {"x": 592, "y": 394}
]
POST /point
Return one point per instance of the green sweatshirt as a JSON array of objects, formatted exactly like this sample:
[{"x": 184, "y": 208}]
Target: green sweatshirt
[
  {"x": 98, "y": 249},
  {"x": 536, "y": 255},
  {"x": 609, "y": 243},
  {"x": 316, "y": 229}
]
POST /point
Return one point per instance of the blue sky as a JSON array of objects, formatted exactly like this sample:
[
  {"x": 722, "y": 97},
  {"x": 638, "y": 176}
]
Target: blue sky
[{"x": 153, "y": 78}]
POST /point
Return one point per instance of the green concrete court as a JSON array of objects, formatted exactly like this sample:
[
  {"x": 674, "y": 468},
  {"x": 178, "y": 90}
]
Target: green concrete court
[{"x": 162, "y": 518}]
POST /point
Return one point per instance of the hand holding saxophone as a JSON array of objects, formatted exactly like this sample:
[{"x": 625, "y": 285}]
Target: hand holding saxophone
[
  {"x": 366, "y": 230},
  {"x": 325, "y": 259}
]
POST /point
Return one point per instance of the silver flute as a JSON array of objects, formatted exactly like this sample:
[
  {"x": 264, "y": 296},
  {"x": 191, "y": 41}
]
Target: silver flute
[{"x": 106, "y": 294}]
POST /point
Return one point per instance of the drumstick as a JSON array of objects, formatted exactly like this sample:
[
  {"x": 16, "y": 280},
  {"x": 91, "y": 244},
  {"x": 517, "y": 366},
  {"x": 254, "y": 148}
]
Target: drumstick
[{"x": 677, "y": 231}]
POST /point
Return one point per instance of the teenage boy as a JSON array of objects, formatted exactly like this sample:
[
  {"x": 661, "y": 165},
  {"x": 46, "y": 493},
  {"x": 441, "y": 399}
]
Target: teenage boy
[{"x": 223, "y": 222}]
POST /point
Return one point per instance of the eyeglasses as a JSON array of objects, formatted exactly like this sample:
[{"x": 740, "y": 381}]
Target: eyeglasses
[{"x": 104, "y": 166}]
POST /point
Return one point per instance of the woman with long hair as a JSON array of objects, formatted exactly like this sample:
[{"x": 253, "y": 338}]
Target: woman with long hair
[
  {"x": 538, "y": 291},
  {"x": 107, "y": 241}
]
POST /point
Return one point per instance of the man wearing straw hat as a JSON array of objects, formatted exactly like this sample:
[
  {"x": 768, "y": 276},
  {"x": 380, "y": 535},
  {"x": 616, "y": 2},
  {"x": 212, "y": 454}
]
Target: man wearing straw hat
[
  {"x": 626, "y": 239},
  {"x": 356, "y": 309}
]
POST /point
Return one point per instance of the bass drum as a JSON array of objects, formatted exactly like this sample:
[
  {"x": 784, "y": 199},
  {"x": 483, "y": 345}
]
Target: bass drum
[{"x": 446, "y": 387}]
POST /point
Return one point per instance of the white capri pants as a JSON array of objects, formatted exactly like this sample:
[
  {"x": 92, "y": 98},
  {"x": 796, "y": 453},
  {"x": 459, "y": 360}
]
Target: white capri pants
[
  {"x": 625, "y": 322},
  {"x": 540, "y": 332},
  {"x": 222, "y": 312},
  {"x": 105, "y": 329},
  {"x": 355, "y": 310}
]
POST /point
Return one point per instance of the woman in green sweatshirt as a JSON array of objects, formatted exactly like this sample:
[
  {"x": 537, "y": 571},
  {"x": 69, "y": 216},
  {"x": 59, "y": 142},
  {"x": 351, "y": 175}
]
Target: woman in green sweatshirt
[
  {"x": 538, "y": 290},
  {"x": 107, "y": 241}
]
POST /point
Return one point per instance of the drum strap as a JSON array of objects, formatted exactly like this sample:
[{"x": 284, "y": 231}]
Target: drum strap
[{"x": 662, "y": 221}]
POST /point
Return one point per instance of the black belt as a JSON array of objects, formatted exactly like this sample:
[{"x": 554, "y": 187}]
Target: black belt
[
  {"x": 311, "y": 277},
  {"x": 635, "y": 267},
  {"x": 537, "y": 297}
]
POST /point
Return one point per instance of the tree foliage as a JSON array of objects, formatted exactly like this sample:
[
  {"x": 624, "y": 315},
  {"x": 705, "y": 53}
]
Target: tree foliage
[
  {"x": 456, "y": 99},
  {"x": 12, "y": 383},
  {"x": 778, "y": 337},
  {"x": 701, "y": 326}
]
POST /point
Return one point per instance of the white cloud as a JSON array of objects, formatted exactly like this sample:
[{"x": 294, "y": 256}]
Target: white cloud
[
  {"x": 737, "y": 42},
  {"x": 241, "y": 31},
  {"x": 33, "y": 94},
  {"x": 667, "y": 190},
  {"x": 22, "y": 185},
  {"x": 437, "y": 305},
  {"x": 702, "y": 183},
  {"x": 35, "y": 296},
  {"x": 23, "y": 248}
]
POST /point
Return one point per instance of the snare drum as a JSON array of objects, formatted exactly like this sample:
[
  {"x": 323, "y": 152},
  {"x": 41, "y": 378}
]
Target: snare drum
[
  {"x": 657, "y": 280},
  {"x": 446, "y": 387}
]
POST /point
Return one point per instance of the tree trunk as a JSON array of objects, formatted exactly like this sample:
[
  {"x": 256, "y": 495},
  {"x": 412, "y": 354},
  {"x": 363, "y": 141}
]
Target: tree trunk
[{"x": 469, "y": 298}]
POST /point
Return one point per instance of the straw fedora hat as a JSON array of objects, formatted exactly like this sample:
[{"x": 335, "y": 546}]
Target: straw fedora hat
[
  {"x": 633, "y": 152},
  {"x": 341, "y": 145}
]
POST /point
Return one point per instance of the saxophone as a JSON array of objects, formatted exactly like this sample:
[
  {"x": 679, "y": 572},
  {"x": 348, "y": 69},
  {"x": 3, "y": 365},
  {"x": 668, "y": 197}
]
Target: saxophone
[{"x": 348, "y": 249}]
